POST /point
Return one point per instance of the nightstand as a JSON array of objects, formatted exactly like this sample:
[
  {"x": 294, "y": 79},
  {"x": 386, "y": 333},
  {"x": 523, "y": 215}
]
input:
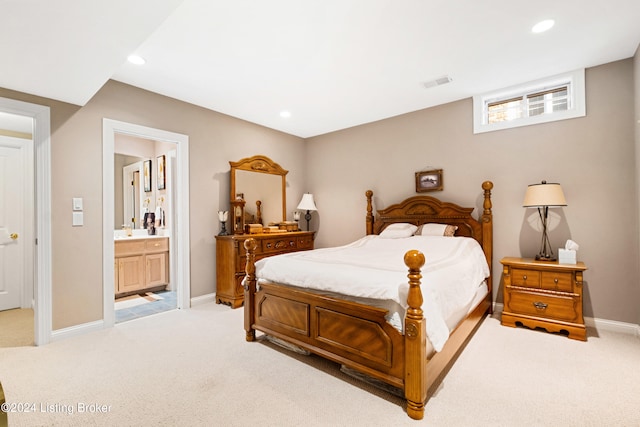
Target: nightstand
[{"x": 544, "y": 294}]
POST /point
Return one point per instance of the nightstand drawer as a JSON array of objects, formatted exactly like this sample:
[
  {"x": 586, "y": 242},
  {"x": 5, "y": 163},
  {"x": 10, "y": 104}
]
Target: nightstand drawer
[
  {"x": 526, "y": 278},
  {"x": 556, "y": 306},
  {"x": 556, "y": 281}
]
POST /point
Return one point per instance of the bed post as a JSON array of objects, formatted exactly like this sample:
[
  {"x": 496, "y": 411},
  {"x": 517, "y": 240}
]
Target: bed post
[
  {"x": 415, "y": 340},
  {"x": 487, "y": 231},
  {"x": 369, "y": 195},
  {"x": 250, "y": 289}
]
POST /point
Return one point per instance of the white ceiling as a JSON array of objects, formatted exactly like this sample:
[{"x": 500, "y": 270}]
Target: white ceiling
[{"x": 332, "y": 63}]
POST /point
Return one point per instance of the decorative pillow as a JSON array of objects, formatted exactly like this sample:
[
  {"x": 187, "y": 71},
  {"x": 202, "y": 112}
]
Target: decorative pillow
[
  {"x": 398, "y": 230},
  {"x": 436, "y": 230}
]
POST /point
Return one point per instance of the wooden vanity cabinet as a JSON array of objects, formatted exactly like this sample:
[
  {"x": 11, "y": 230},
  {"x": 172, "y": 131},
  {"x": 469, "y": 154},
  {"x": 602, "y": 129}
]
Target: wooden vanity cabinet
[
  {"x": 141, "y": 264},
  {"x": 231, "y": 259}
]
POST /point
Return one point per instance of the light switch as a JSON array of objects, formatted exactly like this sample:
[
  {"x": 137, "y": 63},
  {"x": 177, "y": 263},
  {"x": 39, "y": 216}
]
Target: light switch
[
  {"x": 78, "y": 219},
  {"x": 77, "y": 203}
]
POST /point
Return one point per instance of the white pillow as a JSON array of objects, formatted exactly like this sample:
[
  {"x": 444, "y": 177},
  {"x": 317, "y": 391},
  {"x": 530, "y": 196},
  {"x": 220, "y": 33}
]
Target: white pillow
[
  {"x": 398, "y": 230},
  {"x": 436, "y": 230}
]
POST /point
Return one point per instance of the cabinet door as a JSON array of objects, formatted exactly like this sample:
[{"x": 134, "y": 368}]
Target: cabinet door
[
  {"x": 156, "y": 269},
  {"x": 130, "y": 273}
]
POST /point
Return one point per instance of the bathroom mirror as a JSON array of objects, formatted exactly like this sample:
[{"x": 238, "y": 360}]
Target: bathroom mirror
[
  {"x": 129, "y": 197},
  {"x": 260, "y": 179}
]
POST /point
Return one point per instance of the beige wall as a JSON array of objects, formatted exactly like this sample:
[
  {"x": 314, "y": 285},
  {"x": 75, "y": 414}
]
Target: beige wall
[
  {"x": 592, "y": 157},
  {"x": 76, "y": 143}
]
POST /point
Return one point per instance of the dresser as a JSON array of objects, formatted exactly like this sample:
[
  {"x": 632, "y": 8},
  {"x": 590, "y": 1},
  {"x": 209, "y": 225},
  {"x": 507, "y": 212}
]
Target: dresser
[
  {"x": 231, "y": 259},
  {"x": 544, "y": 294}
]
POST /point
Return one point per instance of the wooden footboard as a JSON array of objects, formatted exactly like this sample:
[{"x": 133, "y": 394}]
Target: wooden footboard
[{"x": 352, "y": 334}]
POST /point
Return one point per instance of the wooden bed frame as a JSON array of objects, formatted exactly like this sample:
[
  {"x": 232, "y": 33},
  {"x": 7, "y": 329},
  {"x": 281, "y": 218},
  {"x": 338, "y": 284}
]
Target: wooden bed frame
[{"x": 357, "y": 335}]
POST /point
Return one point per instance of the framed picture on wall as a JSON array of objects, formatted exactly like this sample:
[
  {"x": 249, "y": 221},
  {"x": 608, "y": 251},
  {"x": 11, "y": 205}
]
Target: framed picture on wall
[
  {"x": 429, "y": 181},
  {"x": 146, "y": 170},
  {"x": 161, "y": 177}
]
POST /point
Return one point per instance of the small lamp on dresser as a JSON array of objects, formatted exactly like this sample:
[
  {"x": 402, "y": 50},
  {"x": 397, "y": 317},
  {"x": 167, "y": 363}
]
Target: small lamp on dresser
[
  {"x": 223, "y": 216},
  {"x": 307, "y": 204},
  {"x": 543, "y": 196}
]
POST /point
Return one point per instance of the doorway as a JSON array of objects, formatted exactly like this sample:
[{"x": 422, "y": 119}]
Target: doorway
[
  {"x": 144, "y": 185},
  {"x": 179, "y": 244},
  {"x": 36, "y": 293},
  {"x": 16, "y": 230}
]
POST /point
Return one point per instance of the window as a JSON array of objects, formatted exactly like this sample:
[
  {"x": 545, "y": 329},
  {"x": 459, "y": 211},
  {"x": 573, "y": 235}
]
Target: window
[{"x": 556, "y": 98}]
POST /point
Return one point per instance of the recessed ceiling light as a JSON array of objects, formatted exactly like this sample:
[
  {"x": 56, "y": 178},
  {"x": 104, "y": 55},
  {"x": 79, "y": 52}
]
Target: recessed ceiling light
[
  {"x": 543, "y": 26},
  {"x": 135, "y": 59},
  {"x": 285, "y": 114}
]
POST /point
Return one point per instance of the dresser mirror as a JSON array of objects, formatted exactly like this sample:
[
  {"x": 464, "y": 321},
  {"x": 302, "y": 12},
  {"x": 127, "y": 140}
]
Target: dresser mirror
[{"x": 261, "y": 183}]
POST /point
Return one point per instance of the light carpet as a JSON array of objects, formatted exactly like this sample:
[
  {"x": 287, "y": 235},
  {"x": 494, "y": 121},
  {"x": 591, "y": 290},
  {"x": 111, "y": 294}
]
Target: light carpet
[
  {"x": 193, "y": 367},
  {"x": 16, "y": 327}
]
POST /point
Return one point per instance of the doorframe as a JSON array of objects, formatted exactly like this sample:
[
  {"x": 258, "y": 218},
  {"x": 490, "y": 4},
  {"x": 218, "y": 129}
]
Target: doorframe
[
  {"x": 41, "y": 116},
  {"x": 181, "y": 234}
]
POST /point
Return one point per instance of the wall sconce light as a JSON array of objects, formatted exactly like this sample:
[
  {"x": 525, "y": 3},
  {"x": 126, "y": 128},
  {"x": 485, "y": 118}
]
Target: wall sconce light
[
  {"x": 307, "y": 204},
  {"x": 543, "y": 196}
]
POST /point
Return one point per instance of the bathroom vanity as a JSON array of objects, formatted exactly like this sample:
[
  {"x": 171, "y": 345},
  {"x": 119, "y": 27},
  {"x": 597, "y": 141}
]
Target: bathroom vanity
[{"x": 141, "y": 264}]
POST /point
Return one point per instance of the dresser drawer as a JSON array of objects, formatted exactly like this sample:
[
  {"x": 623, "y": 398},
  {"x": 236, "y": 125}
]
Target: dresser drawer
[
  {"x": 525, "y": 278},
  {"x": 305, "y": 242},
  {"x": 278, "y": 244},
  {"x": 557, "y": 281},
  {"x": 551, "y": 306}
]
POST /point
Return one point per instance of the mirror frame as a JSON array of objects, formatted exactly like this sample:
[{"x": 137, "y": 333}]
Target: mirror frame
[{"x": 260, "y": 164}]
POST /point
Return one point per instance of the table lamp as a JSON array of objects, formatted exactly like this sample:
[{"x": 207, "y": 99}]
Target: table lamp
[
  {"x": 543, "y": 196},
  {"x": 307, "y": 204}
]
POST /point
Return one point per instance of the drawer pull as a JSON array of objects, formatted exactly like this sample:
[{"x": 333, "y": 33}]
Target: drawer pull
[
  {"x": 540, "y": 305},
  {"x": 269, "y": 245},
  {"x": 555, "y": 281},
  {"x": 524, "y": 277}
]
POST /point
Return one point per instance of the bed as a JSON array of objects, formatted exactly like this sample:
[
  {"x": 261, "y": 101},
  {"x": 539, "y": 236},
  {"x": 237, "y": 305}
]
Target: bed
[{"x": 359, "y": 335}]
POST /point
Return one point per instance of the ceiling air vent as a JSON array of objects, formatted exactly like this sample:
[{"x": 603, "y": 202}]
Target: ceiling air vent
[{"x": 437, "y": 82}]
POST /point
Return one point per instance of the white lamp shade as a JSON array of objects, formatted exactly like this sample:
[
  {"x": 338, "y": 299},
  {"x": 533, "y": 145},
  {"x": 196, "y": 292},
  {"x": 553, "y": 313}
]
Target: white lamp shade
[
  {"x": 544, "y": 194},
  {"x": 307, "y": 203}
]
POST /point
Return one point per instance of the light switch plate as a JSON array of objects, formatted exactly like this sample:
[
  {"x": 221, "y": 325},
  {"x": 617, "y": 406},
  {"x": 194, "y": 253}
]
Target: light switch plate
[
  {"x": 77, "y": 203},
  {"x": 78, "y": 219}
]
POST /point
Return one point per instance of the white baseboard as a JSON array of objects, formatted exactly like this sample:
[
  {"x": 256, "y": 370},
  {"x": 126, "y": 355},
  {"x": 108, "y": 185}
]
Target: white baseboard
[
  {"x": 613, "y": 326},
  {"x": 597, "y": 324},
  {"x": 76, "y": 330},
  {"x": 203, "y": 299}
]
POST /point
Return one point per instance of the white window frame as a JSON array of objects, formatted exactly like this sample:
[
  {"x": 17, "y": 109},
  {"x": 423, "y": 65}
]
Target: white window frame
[{"x": 576, "y": 108}]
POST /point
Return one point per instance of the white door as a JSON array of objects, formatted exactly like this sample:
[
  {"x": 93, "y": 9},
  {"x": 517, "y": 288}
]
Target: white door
[{"x": 12, "y": 221}]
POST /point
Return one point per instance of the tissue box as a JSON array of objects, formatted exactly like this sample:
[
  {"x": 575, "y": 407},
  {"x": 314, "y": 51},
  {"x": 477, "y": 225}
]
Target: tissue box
[{"x": 567, "y": 256}]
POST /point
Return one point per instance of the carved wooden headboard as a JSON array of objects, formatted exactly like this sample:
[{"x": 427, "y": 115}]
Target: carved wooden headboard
[{"x": 420, "y": 210}]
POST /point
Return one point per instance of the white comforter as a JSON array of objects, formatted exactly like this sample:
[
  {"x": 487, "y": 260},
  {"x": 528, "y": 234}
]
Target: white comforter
[{"x": 373, "y": 268}]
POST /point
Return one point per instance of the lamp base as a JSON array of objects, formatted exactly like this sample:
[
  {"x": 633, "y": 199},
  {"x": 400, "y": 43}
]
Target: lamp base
[
  {"x": 223, "y": 232},
  {"x": 545, "y": 258}
]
